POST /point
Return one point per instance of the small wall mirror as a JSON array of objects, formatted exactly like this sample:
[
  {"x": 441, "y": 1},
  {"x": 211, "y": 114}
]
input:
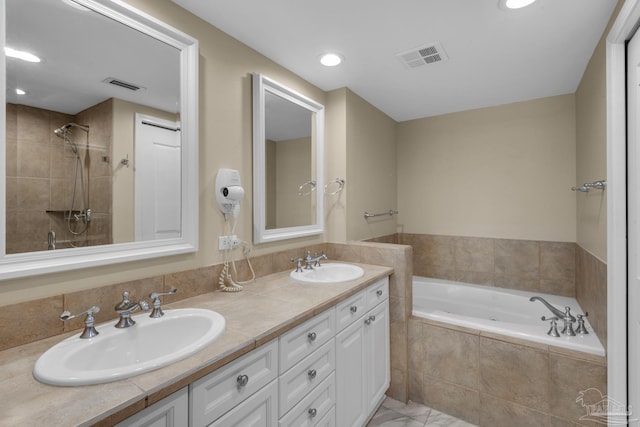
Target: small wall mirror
[
  {"x": 99, "y": 136},
  {"x": 288, "y": 153}
]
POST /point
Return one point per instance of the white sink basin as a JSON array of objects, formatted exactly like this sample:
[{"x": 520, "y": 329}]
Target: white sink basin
[
  {"x": 329, "y": 273},
  {"x": 121, "y": 353}
]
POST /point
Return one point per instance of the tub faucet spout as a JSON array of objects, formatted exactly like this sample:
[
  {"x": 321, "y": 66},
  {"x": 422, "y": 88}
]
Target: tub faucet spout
[{"x": 559, "y": 314}]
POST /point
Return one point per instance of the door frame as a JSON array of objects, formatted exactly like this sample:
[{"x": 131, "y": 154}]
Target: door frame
[{"x": 622, "y": 30}]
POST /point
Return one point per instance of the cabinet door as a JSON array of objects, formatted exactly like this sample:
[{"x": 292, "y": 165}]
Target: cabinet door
[
  {"x": 172, "y": 411},
  {"x": 351, "y": 350},
  {"x": 377, "y": 339},
  {"x": 260, "y": 410}
]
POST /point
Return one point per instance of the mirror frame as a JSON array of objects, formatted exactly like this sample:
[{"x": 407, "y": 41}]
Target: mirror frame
[
  {"x": 35, "y": 263},
  {"x": 262, "y": 85}
]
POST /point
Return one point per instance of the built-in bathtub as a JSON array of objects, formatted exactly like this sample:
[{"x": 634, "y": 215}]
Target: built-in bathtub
[{"x": 502, "y": 311}]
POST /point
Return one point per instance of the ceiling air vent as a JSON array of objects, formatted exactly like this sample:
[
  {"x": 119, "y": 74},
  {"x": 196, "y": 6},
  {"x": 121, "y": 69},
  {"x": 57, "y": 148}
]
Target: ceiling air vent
[
  {"x": 425, "y": 55},
  {"x": 122, "y": 84}
]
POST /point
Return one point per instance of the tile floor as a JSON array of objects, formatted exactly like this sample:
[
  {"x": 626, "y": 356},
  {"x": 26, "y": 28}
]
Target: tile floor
[{"x": 393, "y": 413}]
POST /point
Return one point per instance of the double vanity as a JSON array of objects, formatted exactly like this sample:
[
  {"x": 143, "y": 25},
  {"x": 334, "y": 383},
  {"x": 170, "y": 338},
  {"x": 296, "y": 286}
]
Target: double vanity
[{"x": 292, "y": 353}]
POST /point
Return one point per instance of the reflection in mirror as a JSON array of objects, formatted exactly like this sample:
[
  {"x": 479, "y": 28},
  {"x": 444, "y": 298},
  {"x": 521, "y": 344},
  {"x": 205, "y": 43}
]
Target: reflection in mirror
[
  {"x": 290, "y": 186},
  {"x": 108, "y": 89},
  {"x": 288, "y": 147}
]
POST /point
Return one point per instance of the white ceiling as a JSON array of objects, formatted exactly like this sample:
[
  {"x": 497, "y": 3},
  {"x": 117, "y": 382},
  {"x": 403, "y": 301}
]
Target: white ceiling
[
  {"x": 495, "y": 56},
  {"x": 79, "y": 49}
]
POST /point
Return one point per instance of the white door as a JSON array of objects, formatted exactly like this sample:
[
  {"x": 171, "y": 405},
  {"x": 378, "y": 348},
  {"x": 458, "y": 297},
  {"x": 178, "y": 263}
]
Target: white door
[
  {"x": 633, "y": 206},
  {"x": 157, "y": 178}
]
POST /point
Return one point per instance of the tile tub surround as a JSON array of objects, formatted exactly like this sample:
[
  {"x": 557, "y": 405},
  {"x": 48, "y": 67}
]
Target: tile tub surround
[
  {"x": 264, "y": 310},
  {"x": 558, "y": 268},
  {"x": 490, "y": 380},
  {"x": 527, "y": 265}
]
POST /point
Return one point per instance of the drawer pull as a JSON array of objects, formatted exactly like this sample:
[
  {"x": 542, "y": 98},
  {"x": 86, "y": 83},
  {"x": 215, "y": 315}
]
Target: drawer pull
[
  {"x": 312, "y": 373},
  {"x": 242, "y": 380},
  {"x": 312, "y": 336},
  {"x": 367, "y": 321},
  {"x": 379, "y": 292},
  {"x": 354, "y": 308},
  {"x": 312, "y": 412},
  {"x": 373, "y": 318}
]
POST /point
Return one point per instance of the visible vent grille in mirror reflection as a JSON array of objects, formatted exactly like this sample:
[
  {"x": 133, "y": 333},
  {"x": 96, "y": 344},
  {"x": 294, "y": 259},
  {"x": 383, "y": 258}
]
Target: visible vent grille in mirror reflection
[{"x": 123, "y": 84}]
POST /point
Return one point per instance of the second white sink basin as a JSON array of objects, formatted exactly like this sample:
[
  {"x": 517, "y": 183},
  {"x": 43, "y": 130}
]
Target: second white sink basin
[
  {"x": 329, "y": 273},
  {"x": 121, "y": 353}
]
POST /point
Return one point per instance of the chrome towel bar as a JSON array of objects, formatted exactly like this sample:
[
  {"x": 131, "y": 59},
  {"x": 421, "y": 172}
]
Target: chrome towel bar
[
  {"x": 390, "y": 212},
  {"x": 598, "y": 185}
]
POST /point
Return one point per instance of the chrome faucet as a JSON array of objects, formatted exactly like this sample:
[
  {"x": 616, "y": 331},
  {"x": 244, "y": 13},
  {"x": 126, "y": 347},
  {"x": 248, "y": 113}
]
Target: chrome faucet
[
  {"x": 559, "y": 314},
  {"x": 313, "y": 261},
  {"x": 125, "y": 307},
  {"x": 89, "y": 330}
]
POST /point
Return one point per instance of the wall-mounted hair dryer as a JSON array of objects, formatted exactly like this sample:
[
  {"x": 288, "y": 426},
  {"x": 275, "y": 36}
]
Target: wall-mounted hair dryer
[{"x": 229, "y": 192}]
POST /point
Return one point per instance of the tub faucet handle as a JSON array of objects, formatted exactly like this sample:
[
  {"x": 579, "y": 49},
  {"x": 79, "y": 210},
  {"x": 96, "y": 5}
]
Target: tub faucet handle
[
  {"x": 553, "y": 328},
  {"x": 581, "y": 329}
]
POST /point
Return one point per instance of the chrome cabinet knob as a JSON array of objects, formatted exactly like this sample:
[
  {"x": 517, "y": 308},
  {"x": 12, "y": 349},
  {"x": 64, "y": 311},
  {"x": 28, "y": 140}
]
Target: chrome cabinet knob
[
  {"x": 367, "y": 321},
  {"x": 379, "y": 292},
  {"x": 354, "y": 308},
  {"x": 312, "y": 373},
  {"x": 373, "y": 318},
  {"x": 312, "y": 336},
  {"x": 312, "y": 412},
  {"x": 242, "y": 380}
]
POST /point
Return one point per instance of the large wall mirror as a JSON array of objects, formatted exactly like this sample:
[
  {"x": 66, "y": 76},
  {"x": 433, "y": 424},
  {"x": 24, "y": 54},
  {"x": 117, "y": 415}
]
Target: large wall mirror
[
  {"x": 288, "y": 147},
  {"x": 100, "y": 136}
]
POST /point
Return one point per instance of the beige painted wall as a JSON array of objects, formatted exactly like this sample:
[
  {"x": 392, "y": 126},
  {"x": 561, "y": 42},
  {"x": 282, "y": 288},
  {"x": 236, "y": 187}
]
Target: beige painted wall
[
  {"x": 371, "y": 169},
  {"x": 336, "y": 164},
  {"x": 225, "y": 134},
  {"x": 591, "y": 150},
  {"x": 502, "y": 172}
]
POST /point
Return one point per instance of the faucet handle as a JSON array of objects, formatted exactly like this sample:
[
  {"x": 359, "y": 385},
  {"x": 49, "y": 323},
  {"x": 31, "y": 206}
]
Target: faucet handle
[
  {"x": 298, "y": 265},
  {"x": 155, "y": 296},
  {"x": 89, "y": 329},
  {"x": 581, "y": 329},
  {"x": 553, "y": 328}
]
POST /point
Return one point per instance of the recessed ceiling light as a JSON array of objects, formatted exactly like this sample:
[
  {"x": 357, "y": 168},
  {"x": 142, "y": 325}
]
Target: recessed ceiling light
[
  {"x": 20, "y": 92},
  {"x": 25, "y": 56},
  {"x": 331, "y": 59},
  {"x": 514, "y": 4}
]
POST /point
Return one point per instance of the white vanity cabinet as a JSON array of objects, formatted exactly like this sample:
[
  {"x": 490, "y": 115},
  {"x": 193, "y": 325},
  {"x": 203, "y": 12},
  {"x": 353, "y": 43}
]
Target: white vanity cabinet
[
  {"x": 362, "y": 355},
  {"x": 172, "y": 411},
  {"x": 332, "y": 370}
]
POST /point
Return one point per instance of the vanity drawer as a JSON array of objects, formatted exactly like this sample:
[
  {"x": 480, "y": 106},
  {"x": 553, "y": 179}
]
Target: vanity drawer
[
  {"x": 300, "y": 341},
  {"x": 260, "y": 410},
  {"x": 313, "y": 408},
  {"x": 377, "y": 292},
  {"x": 350, "y": 310},
  {"x": 304, "y": 376},
  {"x": 218, "y": 392}
]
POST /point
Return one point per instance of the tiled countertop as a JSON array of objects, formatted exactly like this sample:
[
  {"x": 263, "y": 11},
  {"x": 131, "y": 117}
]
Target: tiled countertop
[{"x": 263, "y": 310}]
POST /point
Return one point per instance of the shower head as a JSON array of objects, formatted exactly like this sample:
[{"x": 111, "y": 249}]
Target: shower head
[{"x": 62, "y": 130}]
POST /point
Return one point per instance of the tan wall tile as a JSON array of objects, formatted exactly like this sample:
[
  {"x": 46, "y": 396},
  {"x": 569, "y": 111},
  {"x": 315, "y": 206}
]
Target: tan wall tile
[
  {"x": 591, "y": 290},
  {"x": 568, "y": 378},
  {"x": 30, "y": 321},
  {"x": 451, "y": 356},
  {"x": 452, "y": 399},
  {"x": 558, "y": 261},
  {"x": 496, "y": 412},
  {"x": 517, "y": 258},
  {"x": 515, "y": 373},
  {"x": 474, "y": 254}
]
